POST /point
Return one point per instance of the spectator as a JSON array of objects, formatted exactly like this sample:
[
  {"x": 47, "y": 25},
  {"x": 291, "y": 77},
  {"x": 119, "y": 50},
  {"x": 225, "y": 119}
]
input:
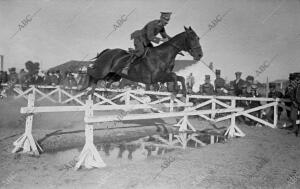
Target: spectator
[
  {"x": 47, "y": 79},
  {"x": 53, "y": 78},
  {"x": 4, "y": 77},
  {"x": 219, "y": 83},
  {"x": 59, "y": 76},
  {"x": 13, "y": 76},
  {"x": 207, "y": 88},
  {"x": 238, "y": 83},
  {"x": 249, "y": 80},
  {"x": 22, "y": 76},
  {"x": 190, "y": 81}
]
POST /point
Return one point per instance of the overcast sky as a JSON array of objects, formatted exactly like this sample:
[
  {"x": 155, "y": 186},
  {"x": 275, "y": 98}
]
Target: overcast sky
[{"x": 252, "y": 31}]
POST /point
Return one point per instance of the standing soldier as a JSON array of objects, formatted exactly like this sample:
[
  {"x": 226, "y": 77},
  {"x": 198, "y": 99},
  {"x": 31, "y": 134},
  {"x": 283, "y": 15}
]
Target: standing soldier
[
  {"x": 238, "y": 83},
  {"x": 219, "y": 83},
  {"x": 207, "y": 88},
  {"x": 142, "y": 38},
  {"x": 190, "y": 81}
]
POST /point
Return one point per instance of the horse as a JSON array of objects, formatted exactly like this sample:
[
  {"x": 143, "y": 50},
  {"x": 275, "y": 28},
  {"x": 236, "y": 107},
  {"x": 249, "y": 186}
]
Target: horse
[{"x": 155, "y": 66}]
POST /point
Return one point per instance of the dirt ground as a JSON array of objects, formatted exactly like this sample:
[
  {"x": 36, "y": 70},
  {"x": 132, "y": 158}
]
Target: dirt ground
[{"x": 264, "y": 158}]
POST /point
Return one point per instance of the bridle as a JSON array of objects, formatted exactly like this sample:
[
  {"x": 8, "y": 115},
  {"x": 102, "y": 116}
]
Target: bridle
[{"x": 185, "y": 48}]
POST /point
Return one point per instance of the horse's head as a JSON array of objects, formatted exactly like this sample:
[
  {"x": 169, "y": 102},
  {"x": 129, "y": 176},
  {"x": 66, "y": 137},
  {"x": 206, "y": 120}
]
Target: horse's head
[{"x": 192, "y": 44}]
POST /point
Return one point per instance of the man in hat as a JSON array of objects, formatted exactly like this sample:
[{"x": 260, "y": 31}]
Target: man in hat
[
  {"x": 249, "y": 80},
  {"x": 238, "y": 83},
  {"x": 142, "y": 38},
  {"x": 219, "y": 83},
  {"x": 13, "y": 76},
  {"x": 207, "y": 88}
]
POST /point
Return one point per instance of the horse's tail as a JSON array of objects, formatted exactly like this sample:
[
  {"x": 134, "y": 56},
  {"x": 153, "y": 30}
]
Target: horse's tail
[{"x": 99, "y": 54}]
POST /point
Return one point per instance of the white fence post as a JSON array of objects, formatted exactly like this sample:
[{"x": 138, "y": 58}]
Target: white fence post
[
  {"x": 276, "y": 113},
  {"x": 213, "y": 107},
  {"x": 34, "y": 91},
  {"x": 233, "y": 103},
  {"x": 171, "y": 104},
  {"x": 89, "y": 155},
  {"x": 26, "y": 141},
  {"x": 59, "y": 94},
  {"x": 127, "y": 97}
]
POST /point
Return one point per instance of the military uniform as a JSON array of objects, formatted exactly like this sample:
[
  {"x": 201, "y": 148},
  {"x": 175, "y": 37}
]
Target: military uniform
[
  {"x": 207, "y": 88},
  {"x": 143, "y": 38},
  {"x": 219, "y": 83},
  {"x": 237, "y": 84}
]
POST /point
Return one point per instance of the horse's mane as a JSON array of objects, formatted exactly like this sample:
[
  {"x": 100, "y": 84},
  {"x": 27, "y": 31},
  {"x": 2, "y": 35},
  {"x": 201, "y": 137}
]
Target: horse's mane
[{"x": 175, "y": 38}]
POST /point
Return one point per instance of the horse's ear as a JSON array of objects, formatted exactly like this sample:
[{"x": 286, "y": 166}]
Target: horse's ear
[
  {"x": 190, "y": 28},
  {"x": 185, "y": 28}
]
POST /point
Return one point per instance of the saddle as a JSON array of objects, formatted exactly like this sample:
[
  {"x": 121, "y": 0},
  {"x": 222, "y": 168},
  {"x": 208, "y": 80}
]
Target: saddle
[{"x": 133, "y": 59}]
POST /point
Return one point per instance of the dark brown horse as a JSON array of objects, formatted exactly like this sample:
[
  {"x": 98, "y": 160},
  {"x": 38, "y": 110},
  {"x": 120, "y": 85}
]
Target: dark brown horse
[{"x": 155, "y": 66}]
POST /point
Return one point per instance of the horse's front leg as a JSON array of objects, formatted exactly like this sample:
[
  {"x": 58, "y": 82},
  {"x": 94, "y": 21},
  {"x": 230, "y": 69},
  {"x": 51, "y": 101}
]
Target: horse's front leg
[{"x": 171, "y": 77}]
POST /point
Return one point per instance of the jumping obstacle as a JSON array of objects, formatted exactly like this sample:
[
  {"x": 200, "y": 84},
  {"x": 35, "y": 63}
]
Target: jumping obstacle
[
  {"x": 89, "y": 157},
  {"x": 62, "y": 95}
]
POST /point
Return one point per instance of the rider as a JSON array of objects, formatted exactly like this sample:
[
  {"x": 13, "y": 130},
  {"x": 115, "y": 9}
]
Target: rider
[{"x": 143, "y": 38}]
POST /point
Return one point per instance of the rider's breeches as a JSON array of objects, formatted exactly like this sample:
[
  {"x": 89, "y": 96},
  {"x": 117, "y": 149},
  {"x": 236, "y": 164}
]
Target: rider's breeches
[{"x": 140, "y": 46}]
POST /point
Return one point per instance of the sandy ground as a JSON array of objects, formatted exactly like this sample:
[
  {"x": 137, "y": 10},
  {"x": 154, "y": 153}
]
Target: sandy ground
[{"x": 265, "y": 158}]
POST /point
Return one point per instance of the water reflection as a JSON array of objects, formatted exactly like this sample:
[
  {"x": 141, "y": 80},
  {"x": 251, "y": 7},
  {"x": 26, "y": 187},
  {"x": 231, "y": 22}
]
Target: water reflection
[
  {"x": 132, "y": 150},
  {"x": 151, "y": 146}
]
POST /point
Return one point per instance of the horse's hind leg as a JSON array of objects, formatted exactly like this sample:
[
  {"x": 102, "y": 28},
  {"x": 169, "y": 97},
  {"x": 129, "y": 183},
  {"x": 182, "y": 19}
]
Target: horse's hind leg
[
  {"x": 182, "y": 81},
  {"x": 172, "y": 77},
  {"x": 93, "y": 84}
]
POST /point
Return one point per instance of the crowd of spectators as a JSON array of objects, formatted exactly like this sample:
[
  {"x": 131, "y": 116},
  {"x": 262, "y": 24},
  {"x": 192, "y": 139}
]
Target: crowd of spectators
[
  {"x": 238, "y": 87},
  {"x": 34, "y": 76}
]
